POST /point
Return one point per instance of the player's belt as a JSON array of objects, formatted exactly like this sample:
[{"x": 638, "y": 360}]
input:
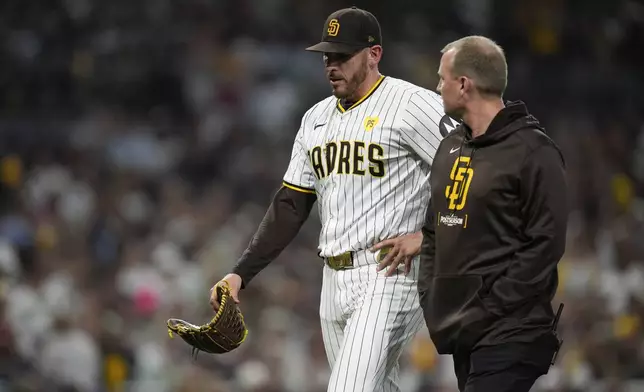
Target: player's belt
[{"x": 343, "y": 261}]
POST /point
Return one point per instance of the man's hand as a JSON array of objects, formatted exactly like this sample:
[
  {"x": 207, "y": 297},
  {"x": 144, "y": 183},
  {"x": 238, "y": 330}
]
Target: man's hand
[
  {"x": 401, "y": 249},
  {"x": 234, "y": 282}
]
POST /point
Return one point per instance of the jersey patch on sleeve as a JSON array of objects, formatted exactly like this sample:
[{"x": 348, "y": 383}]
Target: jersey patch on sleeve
[{"x": 447, "y": 125}]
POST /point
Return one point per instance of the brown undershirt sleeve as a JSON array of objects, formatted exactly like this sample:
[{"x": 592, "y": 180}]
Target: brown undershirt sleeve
[{"x": 285, "y": 216}]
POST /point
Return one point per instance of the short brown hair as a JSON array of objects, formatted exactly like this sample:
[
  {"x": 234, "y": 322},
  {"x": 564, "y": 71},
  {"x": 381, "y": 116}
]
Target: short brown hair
[{"x": 482, "y": 60}]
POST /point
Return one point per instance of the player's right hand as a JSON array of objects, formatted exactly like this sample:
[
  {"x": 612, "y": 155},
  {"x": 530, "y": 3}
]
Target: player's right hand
[{"x": 234, "y": 282}]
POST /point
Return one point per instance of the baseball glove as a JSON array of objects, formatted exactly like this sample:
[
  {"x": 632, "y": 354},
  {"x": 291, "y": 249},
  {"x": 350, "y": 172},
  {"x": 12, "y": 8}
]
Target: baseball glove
[{"x": 223, "y": 333}]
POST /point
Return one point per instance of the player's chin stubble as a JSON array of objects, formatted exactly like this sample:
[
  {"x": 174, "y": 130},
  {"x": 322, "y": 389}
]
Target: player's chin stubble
[
  {"x": 339, "y": 91},
  {"x": 347, "y": 88},
  {"x": 344, "y": 90}
]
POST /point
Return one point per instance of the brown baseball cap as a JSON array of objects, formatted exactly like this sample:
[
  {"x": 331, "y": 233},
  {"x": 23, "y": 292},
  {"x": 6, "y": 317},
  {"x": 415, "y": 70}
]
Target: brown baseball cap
[{"x": 349, "y": 30}]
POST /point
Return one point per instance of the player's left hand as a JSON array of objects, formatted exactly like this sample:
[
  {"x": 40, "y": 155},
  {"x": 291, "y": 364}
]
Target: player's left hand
[{"x": 401, "y": 250}]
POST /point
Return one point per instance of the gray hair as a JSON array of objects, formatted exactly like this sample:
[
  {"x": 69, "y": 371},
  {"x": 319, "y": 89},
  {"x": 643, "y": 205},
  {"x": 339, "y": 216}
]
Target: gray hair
[{"x": 482, "y": 60}]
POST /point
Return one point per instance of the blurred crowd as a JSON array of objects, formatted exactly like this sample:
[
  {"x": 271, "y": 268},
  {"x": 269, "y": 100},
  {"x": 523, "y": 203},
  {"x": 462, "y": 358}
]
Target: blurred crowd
[{"x": 141, "y": 142}]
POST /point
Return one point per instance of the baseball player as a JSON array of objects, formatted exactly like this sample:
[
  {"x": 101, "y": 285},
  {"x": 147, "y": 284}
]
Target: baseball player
[{"x": 364, "y": 154}]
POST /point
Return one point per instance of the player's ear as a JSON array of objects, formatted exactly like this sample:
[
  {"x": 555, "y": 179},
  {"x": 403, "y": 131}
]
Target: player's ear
[{"x": 375, "y": 53}]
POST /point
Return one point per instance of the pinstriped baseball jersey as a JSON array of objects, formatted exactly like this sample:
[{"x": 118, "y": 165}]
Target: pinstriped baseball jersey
[{"x": 368, "y": 164}]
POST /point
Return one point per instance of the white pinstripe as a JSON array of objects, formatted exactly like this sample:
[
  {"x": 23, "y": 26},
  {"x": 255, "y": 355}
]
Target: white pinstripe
[{"x": 367, "y": 319}]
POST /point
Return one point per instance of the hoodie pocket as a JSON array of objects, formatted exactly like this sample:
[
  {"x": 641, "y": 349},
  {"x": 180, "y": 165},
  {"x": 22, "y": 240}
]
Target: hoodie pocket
[{"x": 454, "y": 311}]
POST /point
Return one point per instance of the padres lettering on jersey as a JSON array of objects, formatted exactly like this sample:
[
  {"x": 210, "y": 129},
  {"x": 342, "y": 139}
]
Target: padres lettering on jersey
[
  {"x": 368, "y": 164},
  {"x": 347, "y": 157}
]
